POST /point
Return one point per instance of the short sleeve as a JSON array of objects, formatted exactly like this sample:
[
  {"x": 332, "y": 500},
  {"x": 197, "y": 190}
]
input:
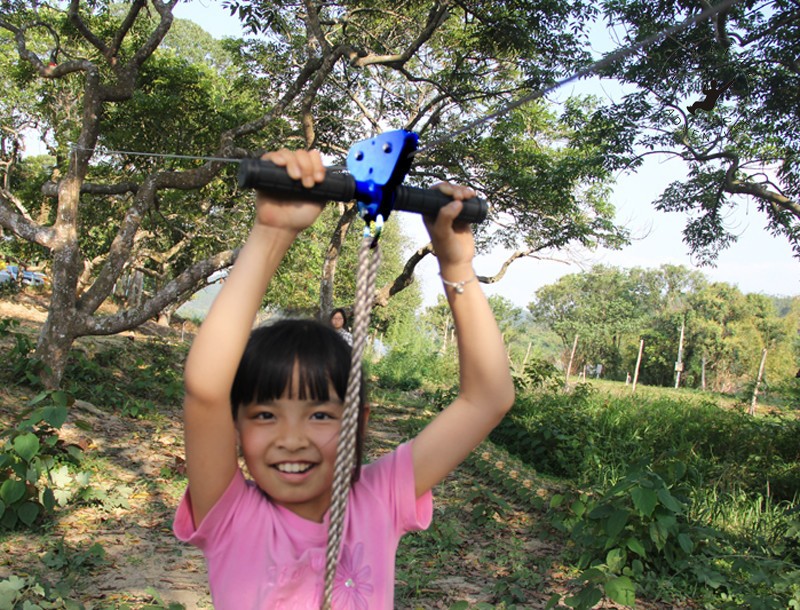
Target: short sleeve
[
  {"x": 390, "y": 480},
  {"x": 419, "y": 511},
  {"x": 215, "y": 522}
]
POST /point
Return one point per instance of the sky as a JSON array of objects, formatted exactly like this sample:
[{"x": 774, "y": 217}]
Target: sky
[{"x": 756, "y": 263}]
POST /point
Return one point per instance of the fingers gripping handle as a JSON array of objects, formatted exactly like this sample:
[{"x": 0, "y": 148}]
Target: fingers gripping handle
[
  {"x": 428, "y": 202},
  {"x": 270, "y": 178}
]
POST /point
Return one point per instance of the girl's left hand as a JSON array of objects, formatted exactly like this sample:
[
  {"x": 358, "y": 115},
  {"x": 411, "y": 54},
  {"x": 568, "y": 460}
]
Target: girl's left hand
[{"x": 452, "y": 240}]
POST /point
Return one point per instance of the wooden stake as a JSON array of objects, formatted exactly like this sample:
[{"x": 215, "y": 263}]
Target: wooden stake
[
  {"x": 679, "y": 363},
  {"x": 638, "y": 362},
  {"x": 703, "y": 375},
  {"x": 758, "y": 381},
  {"x": 571, "y": 358},
  {"x": 527, "y": 353}
]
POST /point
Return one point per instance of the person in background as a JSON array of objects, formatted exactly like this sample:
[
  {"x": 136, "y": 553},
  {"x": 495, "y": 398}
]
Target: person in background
[{"x": 338, "y": 320}]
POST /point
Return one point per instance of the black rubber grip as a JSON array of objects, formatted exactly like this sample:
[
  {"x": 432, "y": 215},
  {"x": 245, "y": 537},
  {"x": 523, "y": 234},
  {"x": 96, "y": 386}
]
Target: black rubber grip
[
  {"x": 428, "y": 202},
  {"x": 270, "y": 178}
]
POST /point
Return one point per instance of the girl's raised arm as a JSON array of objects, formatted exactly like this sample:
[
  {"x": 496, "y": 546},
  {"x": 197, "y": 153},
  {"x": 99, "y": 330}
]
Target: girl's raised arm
[
  {"x": 209, "y": 430},
  {"x": 486, "y": 391}
]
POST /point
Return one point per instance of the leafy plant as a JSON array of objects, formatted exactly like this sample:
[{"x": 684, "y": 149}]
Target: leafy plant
[
  {"x": 635, "y": 528},
  {"x": 19, "y": 366},
  {"x": 538, "y": 374},
  {"x": 32, "y": 593},
  {"x": 29, "y": 454}
]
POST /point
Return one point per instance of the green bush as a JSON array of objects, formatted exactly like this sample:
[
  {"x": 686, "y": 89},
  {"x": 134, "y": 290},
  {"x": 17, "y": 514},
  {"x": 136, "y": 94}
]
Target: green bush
[
  {"x": 592, "y": 438},
  {"x": 30, "y": 451}
]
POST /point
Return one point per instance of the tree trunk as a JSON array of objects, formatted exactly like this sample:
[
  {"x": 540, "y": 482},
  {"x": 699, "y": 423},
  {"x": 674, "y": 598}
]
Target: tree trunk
[
  {"x": 326, "y": 302},
  {"x": 59, "y": 330},
  {"x": 53, "y": 348}
]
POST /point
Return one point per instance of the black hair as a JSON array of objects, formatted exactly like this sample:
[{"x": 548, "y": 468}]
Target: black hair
[
  {"x": 344, "y": 316},
  {"x": 321, "y": 356}
]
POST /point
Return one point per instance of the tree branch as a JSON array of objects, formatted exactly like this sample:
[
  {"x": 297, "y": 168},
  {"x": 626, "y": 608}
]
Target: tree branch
[
  {"x": 404, "y": 279},
  {"x": 185, "y": 284},
  {"x": 127, "y": 24},
  {"x": 735, "y": 186},
  {"x": 83, "y": 29},
  {"x": 21, "y": 225},
  {"x": 50, "y": 189},
  {"x": 436, "y": 17}
]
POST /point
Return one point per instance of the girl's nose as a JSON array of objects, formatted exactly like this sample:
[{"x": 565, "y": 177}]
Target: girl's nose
[{"x": 292, "y": 438}]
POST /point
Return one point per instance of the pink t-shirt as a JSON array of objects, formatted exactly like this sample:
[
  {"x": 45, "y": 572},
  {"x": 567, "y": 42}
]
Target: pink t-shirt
[{"x": 262, "y": 556}]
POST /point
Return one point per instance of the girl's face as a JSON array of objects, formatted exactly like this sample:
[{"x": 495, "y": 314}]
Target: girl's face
[
  {"x": 337, "y": 320},
  {"x": 289, "y": 446}
]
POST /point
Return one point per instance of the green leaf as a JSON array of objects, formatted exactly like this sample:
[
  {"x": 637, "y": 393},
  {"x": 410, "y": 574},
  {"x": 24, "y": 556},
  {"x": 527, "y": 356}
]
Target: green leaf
[
  {"x": 601, "y": 512},
  {"x": 84, "y": 425},
  {"x": 586, "y": 597},
  {"x": 616, "y": 523},
  {"x": 669, "y": 501},
  {"x": 556, "y": 500},
  {"x": 27, "y": 513},
  {"x": 55, "y": 416},
  {"x": 460, "y": 606},
  {"x": 12, "y": 490},
  {"x": 12, "y": 584},
  {"x": 615, "y": 559},
  {"x": 62, "y": 399},
  {"x": 48, "y": 499},
  {"x": 621, "y": 590},
  {"x": 26, "y": 446},
  {"x": 9, "y": 521},
  {"x": 552, "y": 602},
  {"x": 685, "y": 541},
  {"x": 38, "y": 398},
  {"x": 635, "y": 545},
  {"x": 644, "y": 500}
]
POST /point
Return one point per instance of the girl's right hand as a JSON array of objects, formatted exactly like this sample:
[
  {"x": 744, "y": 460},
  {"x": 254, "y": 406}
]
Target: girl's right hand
[{"x": 295, "y": 214}]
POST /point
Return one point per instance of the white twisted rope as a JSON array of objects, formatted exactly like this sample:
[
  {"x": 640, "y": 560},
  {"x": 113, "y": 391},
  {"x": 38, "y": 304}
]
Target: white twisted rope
[{"x": 346, "y": 449}]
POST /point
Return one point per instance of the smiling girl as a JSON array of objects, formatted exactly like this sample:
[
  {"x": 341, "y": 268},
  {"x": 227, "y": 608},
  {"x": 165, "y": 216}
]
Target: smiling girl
[{"x": 276, "y": 395}]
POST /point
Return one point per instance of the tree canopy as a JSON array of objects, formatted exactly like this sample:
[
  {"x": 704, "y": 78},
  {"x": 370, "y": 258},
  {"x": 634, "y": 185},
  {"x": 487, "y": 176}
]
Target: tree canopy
[
  {"x": 611, "y": 309},
  {"x": 97, "y": 77},
  {"x": 723, "y": 96}
]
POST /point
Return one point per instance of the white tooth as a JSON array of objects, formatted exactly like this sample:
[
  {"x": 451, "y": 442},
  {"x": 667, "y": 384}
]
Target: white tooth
[{"x": 293, "y": 467}]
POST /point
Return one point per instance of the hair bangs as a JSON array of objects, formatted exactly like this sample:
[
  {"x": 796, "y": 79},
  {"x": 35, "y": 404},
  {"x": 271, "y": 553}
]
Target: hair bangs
[{"x": 296, "y": 359}]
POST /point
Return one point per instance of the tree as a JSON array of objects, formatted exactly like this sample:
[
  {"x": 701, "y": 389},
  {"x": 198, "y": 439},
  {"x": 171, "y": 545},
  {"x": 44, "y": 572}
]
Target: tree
[
  {"x": 723, "y": 96},
  {"x": 109, "y": 77},
  {"x": 601, "y": 306}
]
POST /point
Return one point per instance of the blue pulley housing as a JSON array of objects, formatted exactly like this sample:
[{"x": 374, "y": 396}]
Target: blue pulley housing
[{"x": 378, "y": 165}]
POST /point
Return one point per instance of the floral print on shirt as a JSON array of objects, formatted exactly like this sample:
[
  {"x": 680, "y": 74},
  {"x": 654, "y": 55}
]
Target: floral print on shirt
[{"x": 352, "y": 587}]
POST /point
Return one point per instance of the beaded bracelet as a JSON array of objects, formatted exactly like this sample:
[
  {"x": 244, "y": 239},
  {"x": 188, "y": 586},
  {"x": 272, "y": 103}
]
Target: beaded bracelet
[{"x": 458, "y": 286}]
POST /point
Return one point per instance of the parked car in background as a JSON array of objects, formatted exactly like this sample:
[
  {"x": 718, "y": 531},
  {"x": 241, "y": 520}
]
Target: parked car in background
[{"x": 11, "y": 273}]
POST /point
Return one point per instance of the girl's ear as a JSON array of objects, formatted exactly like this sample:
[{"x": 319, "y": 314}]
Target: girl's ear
[{"x": 365, "y": 415}]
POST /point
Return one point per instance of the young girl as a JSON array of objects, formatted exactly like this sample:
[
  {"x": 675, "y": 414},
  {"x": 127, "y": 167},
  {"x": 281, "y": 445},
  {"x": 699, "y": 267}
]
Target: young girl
[{"x": 276, "y": 395}]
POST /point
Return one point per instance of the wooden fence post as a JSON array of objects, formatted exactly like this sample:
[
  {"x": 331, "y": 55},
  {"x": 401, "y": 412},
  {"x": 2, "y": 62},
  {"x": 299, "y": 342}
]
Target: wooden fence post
[
  {"x": 679, "y": 362},
  {"x": 638, "y": 362},
  {"x": 569, "y": 366},
  {"x": 758, "y": 381}
]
